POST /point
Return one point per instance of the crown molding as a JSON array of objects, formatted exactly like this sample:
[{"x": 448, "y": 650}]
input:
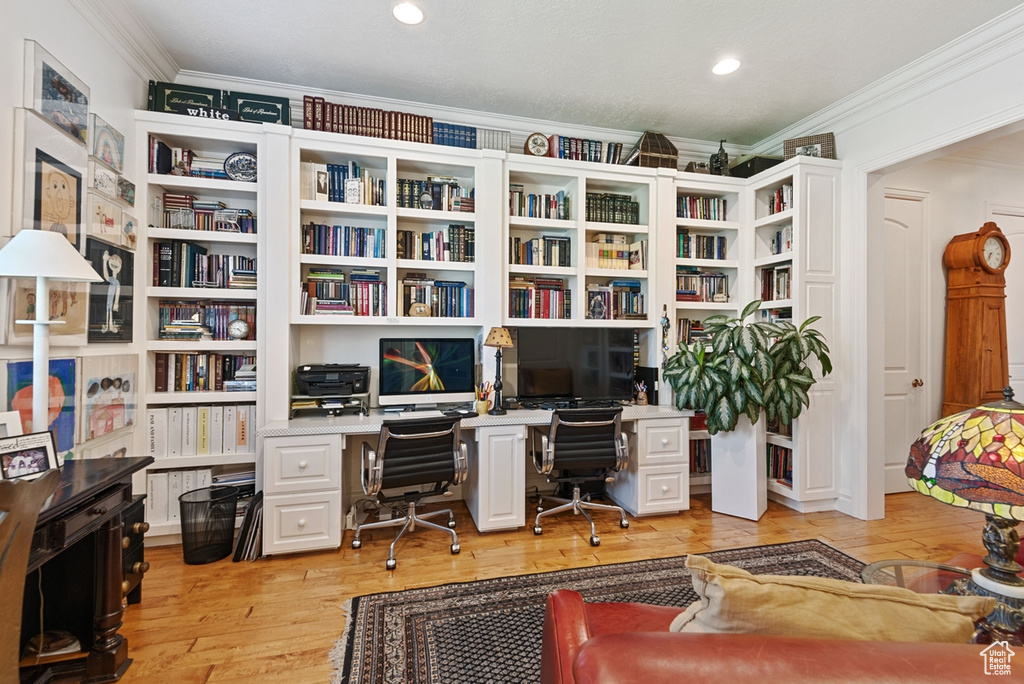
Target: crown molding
[
  {"x": 972, "y": 52},
  {"x": 520, "y": 127},
  {"x": 117, "y": 23}
]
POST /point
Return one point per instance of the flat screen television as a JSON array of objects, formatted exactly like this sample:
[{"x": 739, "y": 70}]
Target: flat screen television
[
  {"x": 582, "y": 364},
  {"x": 426, "y": 371}
]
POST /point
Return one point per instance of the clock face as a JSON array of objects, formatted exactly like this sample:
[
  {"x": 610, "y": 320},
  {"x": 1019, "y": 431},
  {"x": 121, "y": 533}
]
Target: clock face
[
  {"x": 993, "y": 252},
  {"x": 537, "y": 145},
  {"x": 238, "y": 329}
]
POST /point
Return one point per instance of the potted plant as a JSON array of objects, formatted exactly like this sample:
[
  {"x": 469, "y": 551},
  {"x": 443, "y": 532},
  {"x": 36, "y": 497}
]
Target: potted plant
[{"x": 746, "y": 369}]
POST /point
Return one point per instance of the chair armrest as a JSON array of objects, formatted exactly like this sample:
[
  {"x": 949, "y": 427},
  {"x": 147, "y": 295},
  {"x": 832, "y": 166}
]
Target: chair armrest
[
  {"x": 372, "y": 470},
  {"x": 461, "y": 463},
  {"x": 622, "y": 451},
  {"x": 565, "y": 631},
  {"x": 544, "y": 460}
]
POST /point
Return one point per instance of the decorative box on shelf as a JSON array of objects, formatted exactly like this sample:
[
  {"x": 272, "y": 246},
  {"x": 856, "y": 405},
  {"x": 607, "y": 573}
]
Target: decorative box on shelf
[
  {"x": 751, "y": 164},
  {"x": 653, "y": 150}
]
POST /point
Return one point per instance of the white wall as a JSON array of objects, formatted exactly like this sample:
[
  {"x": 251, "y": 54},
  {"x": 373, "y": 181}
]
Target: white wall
[
  {"x": 959, "y": 197},
  {"x": 116, "y": 89}
]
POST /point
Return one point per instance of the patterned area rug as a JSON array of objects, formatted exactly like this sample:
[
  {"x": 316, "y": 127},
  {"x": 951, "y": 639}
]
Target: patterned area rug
[{"x": 490, "y": 631}]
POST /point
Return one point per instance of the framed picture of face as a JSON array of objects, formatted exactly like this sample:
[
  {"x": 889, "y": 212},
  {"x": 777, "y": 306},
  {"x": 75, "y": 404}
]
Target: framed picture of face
[
  {"x": 56, "y": 93},
  {"x": 27, "y": 457}
]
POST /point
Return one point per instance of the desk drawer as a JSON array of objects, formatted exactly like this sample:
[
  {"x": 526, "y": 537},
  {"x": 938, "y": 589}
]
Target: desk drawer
[
  {"x": 66, "y": 531},
  {"x": 302, "y": 522},
  {"x": 302, "y": 463},
  {"x": 660, "y": 442}
]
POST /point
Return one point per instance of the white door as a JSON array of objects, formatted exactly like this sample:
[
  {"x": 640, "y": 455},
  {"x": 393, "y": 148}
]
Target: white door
[
  {"x": 1011, "y": 222},
  {"x": 904, "y": 325}
]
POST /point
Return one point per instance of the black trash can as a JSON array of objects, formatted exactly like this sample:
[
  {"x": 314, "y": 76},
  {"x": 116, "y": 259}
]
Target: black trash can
[{"x": 208, "y": 523}]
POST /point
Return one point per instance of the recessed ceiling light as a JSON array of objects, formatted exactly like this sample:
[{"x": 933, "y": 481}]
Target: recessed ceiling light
[
  {"x": 408, "y": 13},
  {"x": 726, "y": 66}
]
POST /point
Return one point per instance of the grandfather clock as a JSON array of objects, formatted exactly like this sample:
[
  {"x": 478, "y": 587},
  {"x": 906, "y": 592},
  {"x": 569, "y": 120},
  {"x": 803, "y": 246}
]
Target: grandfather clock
[{"x": 977, "y": 369}]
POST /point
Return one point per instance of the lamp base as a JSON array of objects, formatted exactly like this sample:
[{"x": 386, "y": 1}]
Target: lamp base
[
  {"x": 1006, "y": 621},
  {"x": 497, "y": 411}
]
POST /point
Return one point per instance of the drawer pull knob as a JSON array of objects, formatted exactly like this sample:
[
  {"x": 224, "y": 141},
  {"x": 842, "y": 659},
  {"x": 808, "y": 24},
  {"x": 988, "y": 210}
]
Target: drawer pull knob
[
  {"x": 125, "y": 587},
  {"x": 664, "y": 442},
  {"x": 140, "y": 568},
  {"x": 302, "y": 522},
  {"x": 99, "y": 510},
  {"x": 126, "y": 542},
  {"x": 303, "y": 465},
  {"x": 140, "y": 527},
  {"x": 664, "y": 489}
]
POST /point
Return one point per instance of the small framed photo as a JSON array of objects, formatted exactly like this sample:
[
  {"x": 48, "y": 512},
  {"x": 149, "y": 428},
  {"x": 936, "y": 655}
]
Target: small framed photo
[
  {"x": 10, "y": 424},
  {"x": 26, "y": 457},
  {"x": 102, "y": 179},
  {"x": 56, "y": 93},
  {"x": 106, "y": 144},
  {"x": 823, "y": 146},
  {"x": 104, "y": 219},
  {"x": 126, "y": 191}
]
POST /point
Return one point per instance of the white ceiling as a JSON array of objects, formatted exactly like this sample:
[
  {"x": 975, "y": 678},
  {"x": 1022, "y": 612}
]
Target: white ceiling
[{"x": 629, "y": 65}]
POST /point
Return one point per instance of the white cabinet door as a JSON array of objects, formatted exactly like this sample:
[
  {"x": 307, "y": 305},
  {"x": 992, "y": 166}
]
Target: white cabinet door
[{"x": 496, "y": 480}]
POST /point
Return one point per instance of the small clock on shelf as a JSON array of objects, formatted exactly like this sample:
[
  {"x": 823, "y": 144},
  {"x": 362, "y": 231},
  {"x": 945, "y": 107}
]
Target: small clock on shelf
[
  {"x": 537, "y": 145},
  {"x": 239, "y": 329}
]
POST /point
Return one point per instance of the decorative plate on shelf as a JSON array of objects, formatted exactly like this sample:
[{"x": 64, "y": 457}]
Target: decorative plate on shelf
[{"x": 241, "y": 166}]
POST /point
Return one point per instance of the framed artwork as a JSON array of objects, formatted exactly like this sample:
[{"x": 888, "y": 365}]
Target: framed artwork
[
  {"x": 126, "y": 191},
  {"x": 68, "y": 302},
  {"x": 102, "y": 179},
  {"x": 110, "y": 302},
  {"x": 104, "y": 219},
  {"x": 109, "y": 390},
  {"x": 56, "y": 93},
  {"x": 49, "y": 178},
  {"x": 118, "y": 446},
  {"x": 106, "y": 144},
  {"x": 61, "y": 414},
  {"x": 823, "y": 146},
  {"x": 129, "y": 230},
  {"x": 10, "y": 424},
  {"x": 26, "y": 457}
]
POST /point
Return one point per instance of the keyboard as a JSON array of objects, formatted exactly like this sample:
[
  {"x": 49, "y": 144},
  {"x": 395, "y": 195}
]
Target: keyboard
[{"x": 415, "y": 414}]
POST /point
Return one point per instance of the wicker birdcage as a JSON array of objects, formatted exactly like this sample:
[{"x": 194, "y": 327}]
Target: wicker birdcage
[{"x": 653, "y": 150}]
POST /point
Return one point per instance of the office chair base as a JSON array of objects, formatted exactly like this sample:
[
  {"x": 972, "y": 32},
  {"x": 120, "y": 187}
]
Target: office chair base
[
  {"x": 409, "y": 522},
  {"x": 579, "y": 507}
]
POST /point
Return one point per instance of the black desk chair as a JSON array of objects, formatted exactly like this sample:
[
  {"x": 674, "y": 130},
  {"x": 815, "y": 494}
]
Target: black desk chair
[
  {"x": 411, "y": 453},
  {"x": 584, "y": 445}
]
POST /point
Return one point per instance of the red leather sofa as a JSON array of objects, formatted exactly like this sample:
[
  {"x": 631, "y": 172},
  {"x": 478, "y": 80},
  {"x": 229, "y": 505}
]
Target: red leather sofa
[{"x": 630, "y": 642}]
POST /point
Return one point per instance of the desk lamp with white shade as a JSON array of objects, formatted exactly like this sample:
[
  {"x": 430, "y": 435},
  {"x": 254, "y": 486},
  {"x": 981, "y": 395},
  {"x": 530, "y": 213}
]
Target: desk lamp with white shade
[{"x": 45, "y": 256}]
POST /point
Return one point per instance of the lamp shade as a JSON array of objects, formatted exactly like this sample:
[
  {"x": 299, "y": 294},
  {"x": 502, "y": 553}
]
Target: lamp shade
[
  {"x": 34, "y": 253},
  {"x": 974, "y": 459},
  {"x": 499, "y": 337}
]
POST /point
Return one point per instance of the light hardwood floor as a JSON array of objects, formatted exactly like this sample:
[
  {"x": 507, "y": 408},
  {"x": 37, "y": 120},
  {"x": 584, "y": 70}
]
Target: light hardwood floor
[{"x": 276, "y": 619}]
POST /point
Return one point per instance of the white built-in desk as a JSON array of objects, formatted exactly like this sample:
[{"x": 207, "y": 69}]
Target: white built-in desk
[{"x": 304, "y": 462}]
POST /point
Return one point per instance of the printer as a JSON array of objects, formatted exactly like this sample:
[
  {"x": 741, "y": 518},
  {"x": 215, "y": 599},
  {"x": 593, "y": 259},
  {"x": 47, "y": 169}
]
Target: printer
[{"x": 332, "y": 379}]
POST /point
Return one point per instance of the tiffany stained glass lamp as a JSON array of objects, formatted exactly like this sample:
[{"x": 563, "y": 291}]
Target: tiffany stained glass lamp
[{"x": 975, "y": 459}]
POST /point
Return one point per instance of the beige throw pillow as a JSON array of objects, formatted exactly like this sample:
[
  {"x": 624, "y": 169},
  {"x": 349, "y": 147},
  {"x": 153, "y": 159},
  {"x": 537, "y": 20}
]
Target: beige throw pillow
[{"x": 734, "y": 601}]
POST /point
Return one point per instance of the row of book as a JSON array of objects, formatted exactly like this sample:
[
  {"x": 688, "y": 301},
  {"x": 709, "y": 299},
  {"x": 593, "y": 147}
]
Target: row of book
[
  {"x": 196, "y": 371},
  {"x": 690, "y": 331},
  {"x": 180, "y": 161},
  {"x": 204, "y": 430},
  {"x": 539, "y": 297},
  {"x": 617, "y": 300},
  {"x": 548, "y": 250},
  {"x": 188, "y": 319},
  {"x": 700, "y": 456},
  {"x": 186, "y": 212},
  {"x": 581, "y": 149},
  {"x": 332, "y": 291},
  {"x": 178, "y": 263},
  {"x": 776, "y": 315},
  {"x": 354, "y": 241},
  {"x": 320, "y": 115},
  {"x": 780, "y": 464},
  {"x": 444, "y": 298},
  {"x": 776, "y": 283},
  {"x": 549, "y": 206},
  {"x": 781, "y": 199},
  {"x": 606, "y": 207},
  {"x": 704, "y": 208},
  {"x": 695, "y": 285},
  {"x": 696, "y": 246},
  {"x": 348, "y": 183},
  {"x": 164, "y": 487},
  {"x": 249, "y": 543},
  {"x": 614, "y": 251},
  {"x": 781, "y": 240},
  {"x": 439, "y": 193},
  {"x": 455, "y": 242}
]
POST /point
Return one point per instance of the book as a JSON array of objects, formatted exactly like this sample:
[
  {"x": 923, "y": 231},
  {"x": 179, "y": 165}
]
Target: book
[
  {"x": 171, "y": 97},
  {"x": 156, "y": 499},
  {"x": 174, "y": 490},
  {"x": 189, "y": 430},
  {"x": 230, "y": 429},
  {"x": 174, "y": 431},
  {"x": 260, "y": 108},
  {"x": 156, "y": 432}
]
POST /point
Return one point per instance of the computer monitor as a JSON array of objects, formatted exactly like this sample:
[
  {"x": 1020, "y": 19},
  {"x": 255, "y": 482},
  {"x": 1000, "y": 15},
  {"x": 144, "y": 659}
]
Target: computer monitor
[
  {"x": 426, "y": 371},
  {"x": 566, "y": 364}
]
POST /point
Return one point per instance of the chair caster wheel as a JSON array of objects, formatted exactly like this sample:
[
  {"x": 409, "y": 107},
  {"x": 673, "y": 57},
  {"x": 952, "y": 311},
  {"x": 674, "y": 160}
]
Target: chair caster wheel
[
  {"x": 540, "y": 509},
  {"x": 451, "y": 523},
  {"x": 357, "y": 543},
  {"x": 623, "y": 523},
  {"x": 455, "y": 549},
  {"x": 390, "y": 563},
  {"x": 595, "y": 541},
  {"x": 537, "y": 530}
]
